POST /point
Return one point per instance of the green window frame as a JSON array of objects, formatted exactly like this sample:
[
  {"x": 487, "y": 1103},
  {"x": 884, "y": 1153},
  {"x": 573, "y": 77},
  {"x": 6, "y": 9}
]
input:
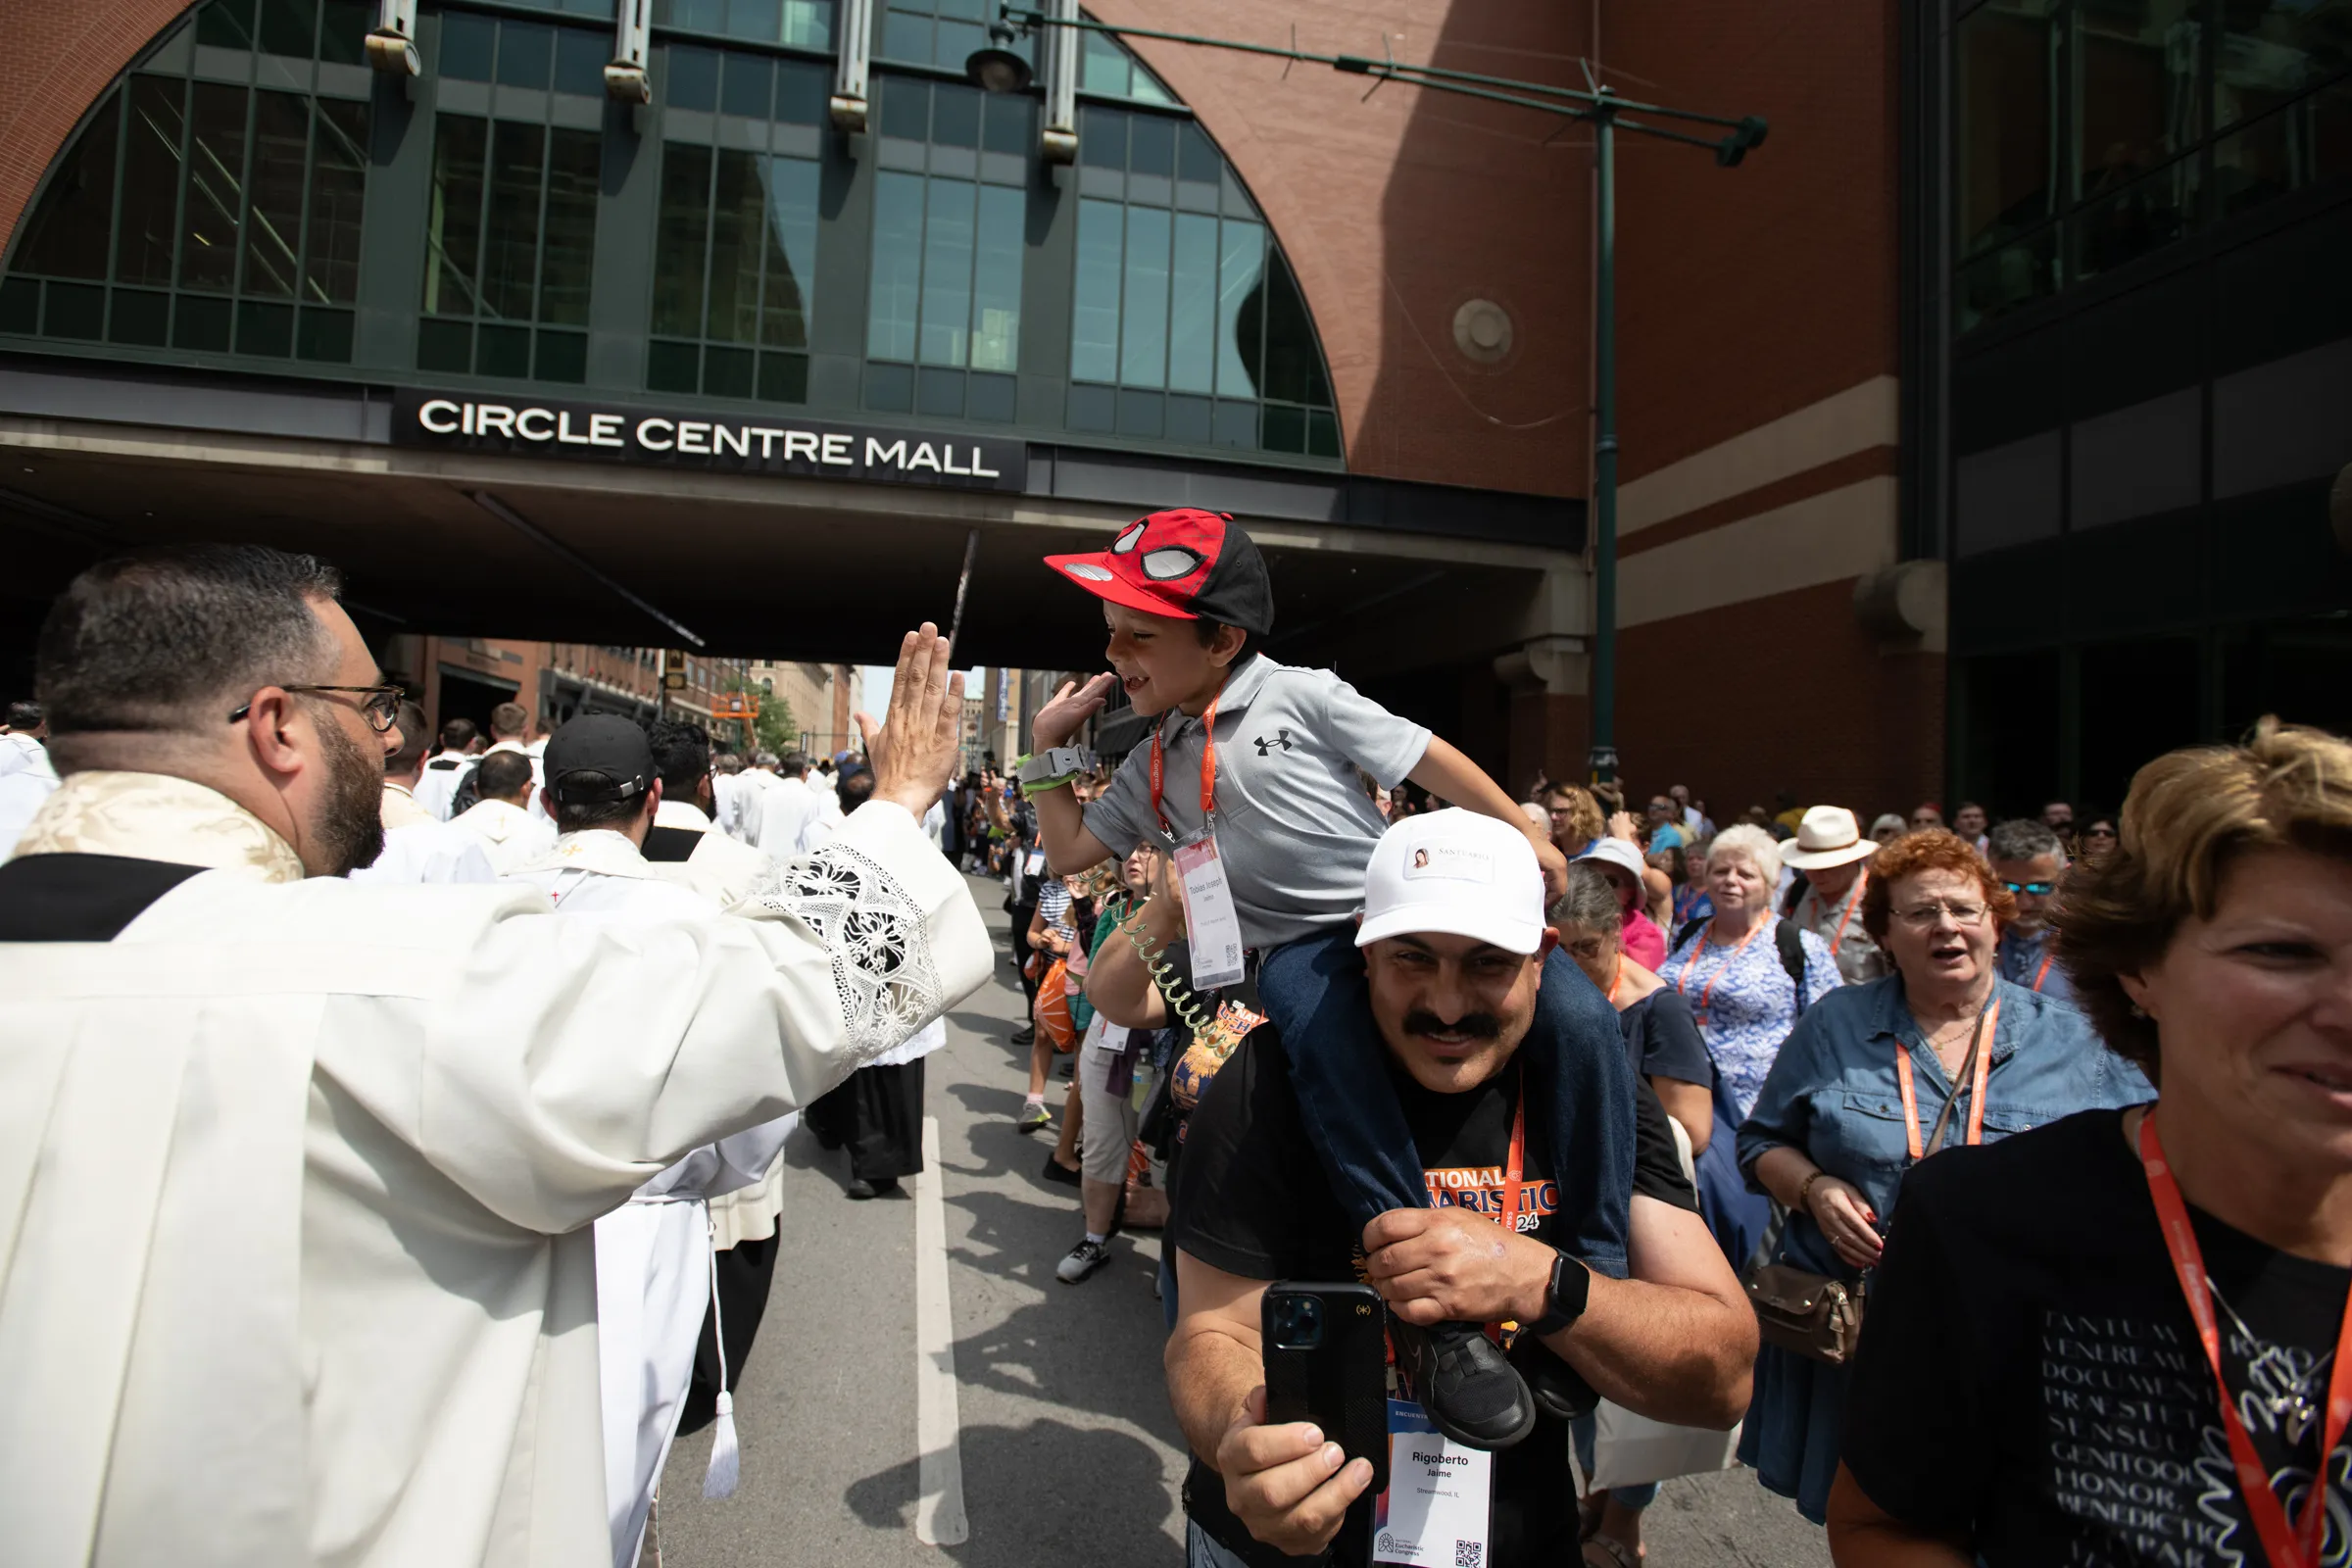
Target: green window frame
[
  {"x": 792, "y": 23},
  {"x": 942, "y": 331},
  {"x": 510, "y": 219},
  {"x": 1186, "y": 323},
  {"x": 212, "y": 203}
]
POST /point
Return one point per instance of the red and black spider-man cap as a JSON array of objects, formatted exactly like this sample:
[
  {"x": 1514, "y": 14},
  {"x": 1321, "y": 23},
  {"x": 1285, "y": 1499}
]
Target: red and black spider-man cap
[{"x": 1188, "y": 563}]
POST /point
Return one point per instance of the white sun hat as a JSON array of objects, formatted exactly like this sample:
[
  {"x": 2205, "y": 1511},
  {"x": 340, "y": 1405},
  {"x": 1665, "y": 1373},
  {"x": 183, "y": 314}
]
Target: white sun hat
[
  {"x": 1456, "y": 873},
  {"x": 1827, "y": 836}
]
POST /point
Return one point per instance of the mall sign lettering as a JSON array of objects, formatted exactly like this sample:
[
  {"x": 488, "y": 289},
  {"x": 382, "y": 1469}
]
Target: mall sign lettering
[{"x": 546, "y": 427}]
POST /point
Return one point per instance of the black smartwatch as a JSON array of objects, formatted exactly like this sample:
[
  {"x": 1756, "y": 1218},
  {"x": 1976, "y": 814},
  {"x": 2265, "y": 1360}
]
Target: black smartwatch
[{"x": 1565, "y": 1296}]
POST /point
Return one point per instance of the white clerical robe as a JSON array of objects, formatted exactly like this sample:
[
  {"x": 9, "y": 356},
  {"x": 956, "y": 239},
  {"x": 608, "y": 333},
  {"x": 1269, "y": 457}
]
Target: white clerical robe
[
  {"x": 509, "y": 835},
  {"x": 653, "y": 1253},
  {"x": 437, "y": 783},
  {"x": 718, "y": 864},
  {"x": 788, "y": 815},
  {"x": 351, "y": 1139}
]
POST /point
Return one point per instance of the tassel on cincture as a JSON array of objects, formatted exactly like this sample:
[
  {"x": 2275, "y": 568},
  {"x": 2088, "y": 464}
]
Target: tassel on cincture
[{"x": 719, "y": 1480}]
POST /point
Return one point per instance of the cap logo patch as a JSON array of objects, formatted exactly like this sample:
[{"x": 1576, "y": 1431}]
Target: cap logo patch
[
  {"x": 1087, "y": 573},
  {"x": 1454, "y": 862}
]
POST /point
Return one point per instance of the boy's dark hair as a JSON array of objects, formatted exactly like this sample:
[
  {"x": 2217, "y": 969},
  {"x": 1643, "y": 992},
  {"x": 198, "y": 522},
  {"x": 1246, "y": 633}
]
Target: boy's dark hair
[
  {"x": 501, "y": 776},
  {"x": 23, "y": 716},
  {"x": 681, "y": 757},
  {"x": 1206, "y": 631},
  {"x": 458, "y": 733}
]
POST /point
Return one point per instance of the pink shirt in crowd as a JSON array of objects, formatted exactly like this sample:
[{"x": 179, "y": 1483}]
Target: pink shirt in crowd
[{"x": 1644, "y": 943}]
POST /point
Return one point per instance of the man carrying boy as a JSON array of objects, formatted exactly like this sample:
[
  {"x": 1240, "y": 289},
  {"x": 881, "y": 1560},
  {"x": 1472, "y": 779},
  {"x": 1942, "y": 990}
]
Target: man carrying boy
[{"x": 1260, "y": 760}]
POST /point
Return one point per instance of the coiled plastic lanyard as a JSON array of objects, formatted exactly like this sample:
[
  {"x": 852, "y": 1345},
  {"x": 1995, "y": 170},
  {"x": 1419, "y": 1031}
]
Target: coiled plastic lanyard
[
  {"x": 2285, "y": 1547},
  {"x": 1212, "y": 924},
  {"x": 1682, "y": 982},
  {"x": 1981, "y": 1052}
]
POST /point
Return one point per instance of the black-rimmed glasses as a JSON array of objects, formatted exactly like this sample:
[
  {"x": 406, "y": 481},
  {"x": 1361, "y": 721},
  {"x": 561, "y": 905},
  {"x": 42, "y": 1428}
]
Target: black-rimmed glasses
[{"x": 379, "y": 704}]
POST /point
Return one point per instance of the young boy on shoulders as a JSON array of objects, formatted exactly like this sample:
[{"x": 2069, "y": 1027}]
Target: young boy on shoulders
[{"x": 1262, "y": 759}]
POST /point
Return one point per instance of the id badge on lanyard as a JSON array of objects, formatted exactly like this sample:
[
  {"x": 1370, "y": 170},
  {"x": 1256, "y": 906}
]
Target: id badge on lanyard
[
  {"x": 1435, "y": 1512},
  {"x": 1212, "y": 924}
]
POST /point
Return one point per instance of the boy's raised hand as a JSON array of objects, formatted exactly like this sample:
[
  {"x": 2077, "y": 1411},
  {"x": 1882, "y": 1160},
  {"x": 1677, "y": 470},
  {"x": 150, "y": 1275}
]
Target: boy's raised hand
[{"x": 1071, "y": 707}]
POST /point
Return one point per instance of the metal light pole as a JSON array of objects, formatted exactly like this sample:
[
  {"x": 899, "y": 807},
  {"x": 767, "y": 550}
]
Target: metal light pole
[{"x": 998, "y": 69}]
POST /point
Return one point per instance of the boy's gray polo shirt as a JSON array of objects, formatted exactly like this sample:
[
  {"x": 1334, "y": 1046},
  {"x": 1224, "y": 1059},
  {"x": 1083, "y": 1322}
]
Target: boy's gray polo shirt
[{"x": 1294, "y": 827}]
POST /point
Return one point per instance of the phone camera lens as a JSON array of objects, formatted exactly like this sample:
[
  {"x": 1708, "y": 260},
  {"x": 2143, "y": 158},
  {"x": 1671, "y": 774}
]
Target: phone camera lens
[{"x": 1297, "y": 1322}]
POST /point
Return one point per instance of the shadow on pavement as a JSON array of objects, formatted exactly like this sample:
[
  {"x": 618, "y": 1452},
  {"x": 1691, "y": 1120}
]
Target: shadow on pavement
[{"x": 1104, "y": 1499}]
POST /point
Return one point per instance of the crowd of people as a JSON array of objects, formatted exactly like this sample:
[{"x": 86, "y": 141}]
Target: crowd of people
[{"x": 1621, "y": 1118}]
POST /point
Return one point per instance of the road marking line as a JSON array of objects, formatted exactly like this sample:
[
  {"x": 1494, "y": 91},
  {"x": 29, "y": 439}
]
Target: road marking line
[{"x": 939, "y": 1518}]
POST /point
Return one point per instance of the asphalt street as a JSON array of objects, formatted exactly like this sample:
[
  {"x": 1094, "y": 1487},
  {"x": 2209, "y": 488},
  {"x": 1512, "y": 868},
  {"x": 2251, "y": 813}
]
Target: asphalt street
[{"x": 1061, "y": 1436}]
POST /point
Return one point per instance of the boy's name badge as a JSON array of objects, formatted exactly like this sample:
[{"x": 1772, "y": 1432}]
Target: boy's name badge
[
  {"x": 1434, "y": 1514},
  {"x": 1210, "y": 923}
]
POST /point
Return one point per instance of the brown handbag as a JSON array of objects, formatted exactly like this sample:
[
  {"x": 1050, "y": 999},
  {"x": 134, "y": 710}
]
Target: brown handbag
[
  {"x": 1818, "y": 1316},
  {"x": 1807, "y": 1314}
]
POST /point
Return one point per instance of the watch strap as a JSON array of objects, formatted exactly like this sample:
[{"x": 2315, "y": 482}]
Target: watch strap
[
  {"x": 1053, "y": 763},
  {"x": 1570, "y": 1289}
]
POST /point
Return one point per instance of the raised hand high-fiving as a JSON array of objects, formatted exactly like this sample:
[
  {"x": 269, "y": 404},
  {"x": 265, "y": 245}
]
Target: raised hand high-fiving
[
  {"x": 914, "y": 748},
  {"x": 1071, "y": 707}
]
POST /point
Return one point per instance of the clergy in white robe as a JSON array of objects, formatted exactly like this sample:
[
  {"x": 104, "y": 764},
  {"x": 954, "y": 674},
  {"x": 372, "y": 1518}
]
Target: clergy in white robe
[
  {"x": 653, "y": 1262},
  {"x": 507, "y": 833},
  {"x": 788, "y": 814},
  {"x": 351, "y": 1138}
]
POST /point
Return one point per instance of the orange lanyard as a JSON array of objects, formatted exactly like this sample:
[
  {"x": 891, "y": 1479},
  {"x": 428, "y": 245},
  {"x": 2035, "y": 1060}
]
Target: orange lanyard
[
  {"x": 1853, "y": 901},
  {"x": 1616, "y": 979},
  {"x": 1509, "y": 1218},
  {"x": 2285, "y": 1547},
  {"x": 1209, "y": 770},
  {"x": 2043, "y": 974},
  {"x": 1976, "y": 1089},
  {"x": 1682, "y": 983}
]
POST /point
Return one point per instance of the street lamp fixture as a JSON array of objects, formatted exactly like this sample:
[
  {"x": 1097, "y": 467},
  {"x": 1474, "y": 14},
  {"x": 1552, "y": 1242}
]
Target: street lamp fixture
[
  {"x": 1607, "y": 113},
  {"x": 997, "y": 68}
]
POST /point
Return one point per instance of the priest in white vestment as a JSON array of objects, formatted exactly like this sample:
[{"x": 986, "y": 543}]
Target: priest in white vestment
[
  {"x": 790, "y": 811},
  {"x": 501, "y": 822},
  {"x": 351, "y": 1139},
  {"x": 654, "y": 1254}
]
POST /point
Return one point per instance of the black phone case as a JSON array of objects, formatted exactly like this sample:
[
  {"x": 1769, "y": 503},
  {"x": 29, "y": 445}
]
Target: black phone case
[{"x": 1340, "y": 1385}]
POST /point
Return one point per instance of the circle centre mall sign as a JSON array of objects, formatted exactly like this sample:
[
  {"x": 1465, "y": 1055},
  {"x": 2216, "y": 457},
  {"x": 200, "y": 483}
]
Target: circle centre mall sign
[{"x": 720, "y": 443}]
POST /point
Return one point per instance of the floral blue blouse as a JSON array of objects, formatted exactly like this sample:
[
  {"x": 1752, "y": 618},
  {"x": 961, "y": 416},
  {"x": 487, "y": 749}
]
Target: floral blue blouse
[
  {"x": 1750, "y": 1002},
  {"x": 1833, "y": 1092}
]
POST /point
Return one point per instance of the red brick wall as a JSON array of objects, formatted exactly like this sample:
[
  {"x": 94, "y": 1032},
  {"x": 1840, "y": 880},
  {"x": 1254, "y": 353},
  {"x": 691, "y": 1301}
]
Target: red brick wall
[
  {"x": 1747, "y": 293},
  {"x": 1781, "y": 693},
  {"x": 61, "y": 56}
]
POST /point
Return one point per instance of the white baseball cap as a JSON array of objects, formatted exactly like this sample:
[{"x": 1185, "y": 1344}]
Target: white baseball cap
[
  {"x": 1618, "y": 852},
  {"x": 1457, "y": 874}
]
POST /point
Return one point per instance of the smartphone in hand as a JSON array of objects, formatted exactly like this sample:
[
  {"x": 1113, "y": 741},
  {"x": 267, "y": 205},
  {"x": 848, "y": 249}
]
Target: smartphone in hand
[{"x": 1325, "y": 1348}]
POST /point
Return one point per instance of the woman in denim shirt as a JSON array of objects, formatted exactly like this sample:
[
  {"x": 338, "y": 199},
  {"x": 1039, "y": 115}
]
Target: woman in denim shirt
[{"x": 1830, "y": 1136}]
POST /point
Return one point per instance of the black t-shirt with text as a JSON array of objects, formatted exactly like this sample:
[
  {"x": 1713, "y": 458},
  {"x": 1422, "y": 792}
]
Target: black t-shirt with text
[
  {"x": 1252, "y": 1199},
  {"x": 2029, "y": 1377}
]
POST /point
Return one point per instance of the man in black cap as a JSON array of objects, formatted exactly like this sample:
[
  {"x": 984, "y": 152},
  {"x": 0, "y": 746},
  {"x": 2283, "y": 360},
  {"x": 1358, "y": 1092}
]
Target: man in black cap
[{"x": 653, "y": 1253}]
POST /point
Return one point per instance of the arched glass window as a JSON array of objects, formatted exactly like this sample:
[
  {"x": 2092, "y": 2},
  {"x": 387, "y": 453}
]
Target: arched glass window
[
  {"x": 232, "y": 200},
  {"x": 211, "y": 201}
]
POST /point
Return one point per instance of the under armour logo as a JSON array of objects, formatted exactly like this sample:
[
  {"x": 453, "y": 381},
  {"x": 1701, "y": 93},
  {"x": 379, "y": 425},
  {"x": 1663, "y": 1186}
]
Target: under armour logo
[{"x": 1266, "y": 748}]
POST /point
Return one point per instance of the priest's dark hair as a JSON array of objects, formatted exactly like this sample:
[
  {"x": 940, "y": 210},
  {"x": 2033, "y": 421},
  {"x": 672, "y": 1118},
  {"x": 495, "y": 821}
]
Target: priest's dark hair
[
  {"x": 593, "y": 805},
  {"x": 169, "y": 639},
  {"x": 681, "y": 757},
  {"x": 502, "y": 776},
  {"x": 414, "y": 741}
]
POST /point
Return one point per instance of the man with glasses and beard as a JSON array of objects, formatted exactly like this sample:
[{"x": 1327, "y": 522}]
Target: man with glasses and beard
[{"x": 351, "y": 1138}]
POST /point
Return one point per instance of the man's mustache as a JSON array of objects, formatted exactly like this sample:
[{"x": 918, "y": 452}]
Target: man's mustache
[{"x": 1477, "y": 1025}]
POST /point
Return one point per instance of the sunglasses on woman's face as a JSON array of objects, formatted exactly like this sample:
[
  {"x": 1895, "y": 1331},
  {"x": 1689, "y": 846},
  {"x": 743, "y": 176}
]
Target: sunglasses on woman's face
[{"x": 2098, "y": 832}]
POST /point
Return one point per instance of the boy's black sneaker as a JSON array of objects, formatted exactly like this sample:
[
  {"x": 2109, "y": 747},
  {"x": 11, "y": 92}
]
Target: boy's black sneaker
[
  {"x": 1559, "y": 1388},
  {"x": 1465, "y": 1383}
]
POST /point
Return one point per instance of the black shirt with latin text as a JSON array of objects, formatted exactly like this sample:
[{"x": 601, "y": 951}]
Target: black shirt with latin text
[{"x": 2029, "y": 1379}]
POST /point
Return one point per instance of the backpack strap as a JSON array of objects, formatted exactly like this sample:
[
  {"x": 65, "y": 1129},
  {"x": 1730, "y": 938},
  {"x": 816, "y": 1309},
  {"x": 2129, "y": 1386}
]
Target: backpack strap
[{"x": 1793, "y": 958}]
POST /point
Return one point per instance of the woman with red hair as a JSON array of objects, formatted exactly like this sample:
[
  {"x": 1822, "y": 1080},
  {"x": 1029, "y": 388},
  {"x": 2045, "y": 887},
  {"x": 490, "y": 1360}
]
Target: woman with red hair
[{"x": 1874, "y": 1078}]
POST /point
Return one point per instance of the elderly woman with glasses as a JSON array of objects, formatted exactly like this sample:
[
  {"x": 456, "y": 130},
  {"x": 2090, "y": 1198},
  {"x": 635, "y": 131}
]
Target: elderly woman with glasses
[{"x": 1940, "y": 1052}]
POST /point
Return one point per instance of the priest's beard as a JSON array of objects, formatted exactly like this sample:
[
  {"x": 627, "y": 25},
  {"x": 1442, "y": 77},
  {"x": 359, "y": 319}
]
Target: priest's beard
[{"x": 350, "y": 829}]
